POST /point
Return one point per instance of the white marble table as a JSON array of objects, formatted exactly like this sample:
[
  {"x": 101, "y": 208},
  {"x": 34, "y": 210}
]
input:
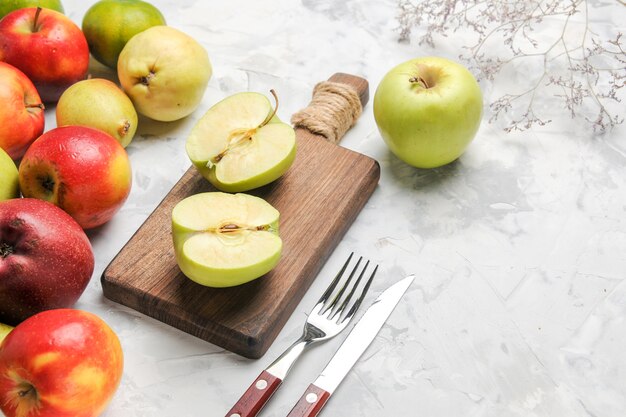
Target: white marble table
[{"x": 519, "y": 247}]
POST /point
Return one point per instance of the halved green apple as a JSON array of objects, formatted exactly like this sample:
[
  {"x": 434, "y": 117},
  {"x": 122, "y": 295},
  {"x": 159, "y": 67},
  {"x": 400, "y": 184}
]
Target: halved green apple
[
  {"x": 240, "y": 144},
  {"x": 223, "y": 240}
]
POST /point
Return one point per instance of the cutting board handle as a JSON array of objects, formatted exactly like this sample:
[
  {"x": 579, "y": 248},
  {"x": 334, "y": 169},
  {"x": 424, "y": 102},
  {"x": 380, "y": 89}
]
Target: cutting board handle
[{"x": 335, "y": 107}]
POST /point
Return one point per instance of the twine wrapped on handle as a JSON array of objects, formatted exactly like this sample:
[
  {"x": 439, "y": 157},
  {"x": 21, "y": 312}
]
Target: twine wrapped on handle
[{"x": 334, "y": 108}]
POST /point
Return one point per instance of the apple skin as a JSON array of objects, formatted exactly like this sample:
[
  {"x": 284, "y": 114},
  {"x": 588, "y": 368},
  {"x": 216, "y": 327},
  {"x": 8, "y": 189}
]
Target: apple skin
[
  {"x": 7, "y": 6},
  {"x": 428, "y": 127},
  {"x": 100, "y": 104},
  {"x": 22, "y": 118},
  {"x": 83, "y": 170},
  {"x": 164, "y": 72},
  {"x": 10, "y": 186},
  {"x": 46, "y": 260},
  {"x": 54, "y": 56},
  {"x": 59, "y": 363}
]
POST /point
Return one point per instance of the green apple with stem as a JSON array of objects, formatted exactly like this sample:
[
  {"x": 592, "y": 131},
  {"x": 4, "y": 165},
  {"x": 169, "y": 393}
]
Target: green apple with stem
[
  {"x": 223, "y": 240},
  {"x": 109, "y": 24},
  {"x": 240, "y": 144},
  {"x": 428, "y": 110}
]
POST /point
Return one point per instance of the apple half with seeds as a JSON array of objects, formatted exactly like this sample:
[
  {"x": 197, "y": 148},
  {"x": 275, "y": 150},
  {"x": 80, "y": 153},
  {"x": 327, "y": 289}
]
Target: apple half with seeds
[
  {"x": 223, "y": 240},
  {"x": 240, "y": 144}
]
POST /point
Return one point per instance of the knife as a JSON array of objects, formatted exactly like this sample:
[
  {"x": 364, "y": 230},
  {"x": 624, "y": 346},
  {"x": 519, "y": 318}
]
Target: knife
[{"x": 316, "y": 395}]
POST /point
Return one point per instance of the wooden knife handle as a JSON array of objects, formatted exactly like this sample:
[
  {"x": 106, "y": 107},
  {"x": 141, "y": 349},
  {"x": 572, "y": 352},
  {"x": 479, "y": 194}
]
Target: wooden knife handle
[
  {"x": 311, "y": 402},
  {"x": 255, "y": 397}
]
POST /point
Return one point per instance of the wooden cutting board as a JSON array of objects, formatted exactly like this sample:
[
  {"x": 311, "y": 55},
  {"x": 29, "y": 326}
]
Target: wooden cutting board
[{"x": 318, "y": 199}]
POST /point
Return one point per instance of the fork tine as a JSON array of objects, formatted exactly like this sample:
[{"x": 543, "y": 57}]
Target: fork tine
[
  {"x": 333, "y": 284},
  {"x": 339, "y": 294},
  {"x": 358, "y": 302},
  {"x": 352, "y": 291}
]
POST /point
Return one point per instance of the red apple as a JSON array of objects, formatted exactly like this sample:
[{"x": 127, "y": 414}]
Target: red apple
[
  {"x": 83, "y": 170},
  {"x": 47, "y": 46},
  {"x": 22, "y": 117},
  {"x": 46, "y": 259},
  {"x": 59, "y": 363}
]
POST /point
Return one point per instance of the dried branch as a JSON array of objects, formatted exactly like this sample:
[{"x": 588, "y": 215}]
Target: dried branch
[{"x": 576, "y": 67}]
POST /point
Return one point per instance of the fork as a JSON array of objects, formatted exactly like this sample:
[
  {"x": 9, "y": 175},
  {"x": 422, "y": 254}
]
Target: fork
[{"x": 327, "y": 319}]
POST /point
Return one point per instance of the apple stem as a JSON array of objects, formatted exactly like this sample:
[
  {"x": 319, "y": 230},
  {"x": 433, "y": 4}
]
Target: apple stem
[
  {"x": 271, "y": 116},
  {"x": 39, "y": 106},
  {"x": 419, "y": 80},
  {"x": 37, "y": 13},
  {"x": 6, "y": 250}
]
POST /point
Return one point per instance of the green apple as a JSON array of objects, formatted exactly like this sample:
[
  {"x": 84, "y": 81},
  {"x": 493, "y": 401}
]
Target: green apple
[
  {"x": 9, "y": 186},
  {"x": 109, "y": 24},
  {"x": 5, "y": 329},
  {"x": 164, "y": 72},
  {"x": 7, "y": 6},
  {"x": 240, "y": 144},
  {"x": 223, "y": 240},
  {"x": 428, "y": 110},
  {"x": 100, "y": 104}
]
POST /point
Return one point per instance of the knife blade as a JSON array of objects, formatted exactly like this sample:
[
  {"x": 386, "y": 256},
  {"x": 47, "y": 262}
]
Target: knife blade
[{"x": 361, "y": 336}]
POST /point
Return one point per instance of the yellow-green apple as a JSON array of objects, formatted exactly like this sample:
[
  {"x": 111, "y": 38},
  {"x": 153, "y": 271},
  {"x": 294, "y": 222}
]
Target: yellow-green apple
[
  {"x": 100, "y": 104},
  {"x": 22, "y": 117},
  {"x": 164, "y": 72},
  {"x": 5, "y": 329},
  {"x": 428, "y": 110},
  {"x": 46, "y": 46},
  {"x": 83, "y": 170},
  {"x": 60, "y": 363},
  {"x": 7, "y": 6},
  {"x": 9, "y": 186},
  {"x": 223, "y": 240},
  {"x": 240, "y": 144},
  {"x": 46, "y": 259},
  {"x": 109, "y": 24}
]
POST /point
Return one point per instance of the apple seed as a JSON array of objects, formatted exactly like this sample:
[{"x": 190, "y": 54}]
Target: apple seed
[{"x": 232, "y": 228}]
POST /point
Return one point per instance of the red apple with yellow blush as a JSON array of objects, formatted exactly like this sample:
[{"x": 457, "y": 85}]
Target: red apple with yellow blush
[
  {"x": 22, "y": 116},
  {"x": 84, "y": 171},
  {"x": 59, "y": 363},
  {"x": 46, "y": 46}
]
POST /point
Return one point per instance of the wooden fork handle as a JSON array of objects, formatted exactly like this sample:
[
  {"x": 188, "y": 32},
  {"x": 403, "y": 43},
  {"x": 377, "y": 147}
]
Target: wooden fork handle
[
  {"x": 311, "y": 402},
  {"x": 255, "y": 397}
]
